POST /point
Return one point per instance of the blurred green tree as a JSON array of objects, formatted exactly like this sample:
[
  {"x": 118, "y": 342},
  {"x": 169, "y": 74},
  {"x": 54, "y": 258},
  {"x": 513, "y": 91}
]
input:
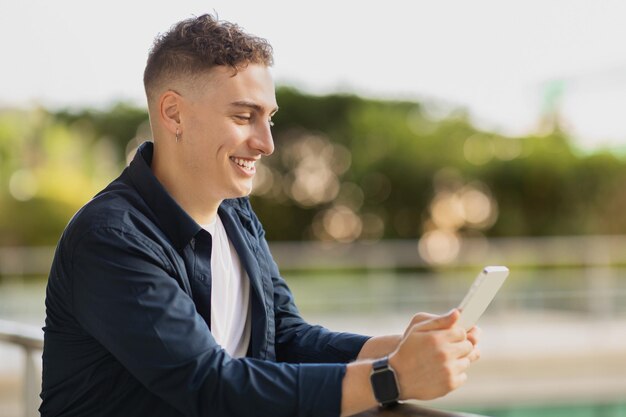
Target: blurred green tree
[{"x": 345, "y": 168}]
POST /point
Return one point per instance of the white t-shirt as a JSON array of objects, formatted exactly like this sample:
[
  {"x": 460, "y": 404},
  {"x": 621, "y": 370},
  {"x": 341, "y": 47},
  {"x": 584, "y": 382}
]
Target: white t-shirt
[{"x": 230, "y": 294}]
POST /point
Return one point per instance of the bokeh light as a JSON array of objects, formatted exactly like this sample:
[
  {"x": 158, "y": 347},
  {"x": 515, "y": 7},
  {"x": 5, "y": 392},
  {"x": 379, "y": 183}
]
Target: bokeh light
[
  {"x": 23, "y": 184},
  {"x": 315, "y": 165},
  {"x": 478, "y": 149},
  {"x": 439, "y": 246}
]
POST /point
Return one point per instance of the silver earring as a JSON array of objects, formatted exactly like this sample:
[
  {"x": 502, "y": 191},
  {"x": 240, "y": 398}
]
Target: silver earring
[{"x": 177, "y": 135}]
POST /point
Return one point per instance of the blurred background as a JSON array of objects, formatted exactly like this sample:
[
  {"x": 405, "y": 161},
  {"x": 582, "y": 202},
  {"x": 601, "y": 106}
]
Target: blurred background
[{"x": 416, "y": 142}]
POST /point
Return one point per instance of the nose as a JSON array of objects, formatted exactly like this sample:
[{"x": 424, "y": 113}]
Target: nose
[{"x": 263, "y": 140}]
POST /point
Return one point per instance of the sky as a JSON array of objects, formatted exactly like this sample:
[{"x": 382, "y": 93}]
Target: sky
[{"x": 503, "y": 61}]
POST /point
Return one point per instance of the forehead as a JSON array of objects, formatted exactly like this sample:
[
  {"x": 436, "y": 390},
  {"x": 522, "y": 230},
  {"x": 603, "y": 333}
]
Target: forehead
[{"x": 223, "y": 86}]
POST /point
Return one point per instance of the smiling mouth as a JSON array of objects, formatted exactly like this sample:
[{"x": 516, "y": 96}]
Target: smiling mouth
[{"x": 246, "y": 164}]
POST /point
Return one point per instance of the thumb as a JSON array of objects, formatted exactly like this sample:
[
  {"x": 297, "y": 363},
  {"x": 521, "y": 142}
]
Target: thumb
[{"x": 440, "y": 322}]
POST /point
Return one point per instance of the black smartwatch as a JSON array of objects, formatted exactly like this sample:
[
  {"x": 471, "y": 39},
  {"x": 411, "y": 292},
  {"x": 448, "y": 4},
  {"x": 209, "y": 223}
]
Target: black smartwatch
[{"x": 384, "y": 383}]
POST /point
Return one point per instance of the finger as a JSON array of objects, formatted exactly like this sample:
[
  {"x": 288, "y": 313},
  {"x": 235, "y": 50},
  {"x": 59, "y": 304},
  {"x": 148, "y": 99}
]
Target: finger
[
  {"x": 460, "y": 379},
  {"x": 439, "y": 322},
  {"x": 474, "y": 335},
  {"x": 461, "y": 349},
  {"x": 474, "y": 355},
  {"x": 457, "y": 376},
  {"x": 461, "y": 365},
  {"x": 455, "y": 334},
  {"x": 421, "y": 317}
]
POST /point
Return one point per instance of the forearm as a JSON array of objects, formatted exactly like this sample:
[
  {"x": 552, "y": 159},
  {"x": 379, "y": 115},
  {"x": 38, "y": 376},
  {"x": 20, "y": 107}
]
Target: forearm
[
  {"x": 357, "y": 394},
  {"x": 379, "y": 346}
]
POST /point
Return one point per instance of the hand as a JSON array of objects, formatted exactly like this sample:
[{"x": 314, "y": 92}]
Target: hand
[
  {"x": 433, "y": 357},
  {"x": 474, "y": 336},
  {"x": 419, "y": 318}
]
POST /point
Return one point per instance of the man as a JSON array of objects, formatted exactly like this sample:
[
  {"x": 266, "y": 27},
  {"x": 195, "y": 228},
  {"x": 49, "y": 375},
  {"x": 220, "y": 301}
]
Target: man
[{"x": 163, "y": 298}]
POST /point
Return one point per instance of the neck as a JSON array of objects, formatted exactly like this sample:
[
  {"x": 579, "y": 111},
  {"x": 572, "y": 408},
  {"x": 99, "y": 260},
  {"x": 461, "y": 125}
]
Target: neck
[{"x": 201, "y": 207}]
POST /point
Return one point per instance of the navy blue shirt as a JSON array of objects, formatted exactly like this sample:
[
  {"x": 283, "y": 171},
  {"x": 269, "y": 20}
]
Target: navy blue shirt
[{"x": 128, "y": 308}]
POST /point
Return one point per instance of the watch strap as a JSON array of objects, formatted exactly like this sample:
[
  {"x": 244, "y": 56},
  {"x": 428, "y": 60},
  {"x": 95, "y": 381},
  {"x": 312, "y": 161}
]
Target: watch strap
[
  {"x": 381, "y": 363},
  {"x": 383, "y": 393}
]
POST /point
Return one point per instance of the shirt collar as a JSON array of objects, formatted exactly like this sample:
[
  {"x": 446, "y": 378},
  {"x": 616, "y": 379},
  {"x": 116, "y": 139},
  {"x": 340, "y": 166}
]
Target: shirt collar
[{"x": 172, "y": 219}]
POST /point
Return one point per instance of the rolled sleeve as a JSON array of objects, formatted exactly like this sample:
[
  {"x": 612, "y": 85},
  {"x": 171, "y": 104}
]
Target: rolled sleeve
[{"x": 320, "y": 389}]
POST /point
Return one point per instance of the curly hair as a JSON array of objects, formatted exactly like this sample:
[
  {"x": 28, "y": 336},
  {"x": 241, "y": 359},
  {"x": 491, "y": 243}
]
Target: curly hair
[{"x": 195, "y": 45}]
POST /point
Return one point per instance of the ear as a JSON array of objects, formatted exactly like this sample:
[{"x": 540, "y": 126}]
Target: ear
[{"x": 170, "y": 104}]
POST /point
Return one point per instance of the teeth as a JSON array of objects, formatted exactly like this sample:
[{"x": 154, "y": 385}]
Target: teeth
[{"x": 243, "y": 163}]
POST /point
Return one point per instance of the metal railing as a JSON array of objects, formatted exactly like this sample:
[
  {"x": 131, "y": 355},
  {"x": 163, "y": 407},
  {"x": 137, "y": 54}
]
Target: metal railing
[
  {"x": 593, "y": 253},
  {"x": 552, "y": 251},
  {"x": 587, "y": 250},
  {"x": 30, "y": 340}
]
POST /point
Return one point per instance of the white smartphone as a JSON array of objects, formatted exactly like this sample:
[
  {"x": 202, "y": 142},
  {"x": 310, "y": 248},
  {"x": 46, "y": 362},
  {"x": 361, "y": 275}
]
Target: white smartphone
[{"x": 480, "y": 294}]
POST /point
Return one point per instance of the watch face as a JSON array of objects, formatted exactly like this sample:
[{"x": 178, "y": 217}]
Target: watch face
[{"x": 384, "y": 385}]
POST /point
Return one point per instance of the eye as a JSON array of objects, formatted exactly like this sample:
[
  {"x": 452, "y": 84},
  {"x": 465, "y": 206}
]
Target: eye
[{"x": 242, "y": 118}]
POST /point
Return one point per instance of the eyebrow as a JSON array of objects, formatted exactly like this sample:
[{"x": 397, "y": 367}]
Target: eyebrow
[{"x": 252, "y": 105}]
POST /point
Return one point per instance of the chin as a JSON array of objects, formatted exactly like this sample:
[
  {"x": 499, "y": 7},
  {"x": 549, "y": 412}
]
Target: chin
[{"x": 240, "y": 192}]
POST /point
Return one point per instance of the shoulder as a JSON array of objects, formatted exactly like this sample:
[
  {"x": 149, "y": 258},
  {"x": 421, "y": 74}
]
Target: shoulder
[{"x": 116, "y": 208}]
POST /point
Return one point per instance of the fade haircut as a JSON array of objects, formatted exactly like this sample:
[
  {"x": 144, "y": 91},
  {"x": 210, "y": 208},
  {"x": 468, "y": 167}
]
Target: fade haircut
[{"x": 194, "y": 46}]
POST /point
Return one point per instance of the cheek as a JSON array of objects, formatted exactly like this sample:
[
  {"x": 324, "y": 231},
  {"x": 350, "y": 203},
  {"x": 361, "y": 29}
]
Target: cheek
[
  {"x": 199, "y": 155},
  {"x": 215, "y": 143},
  {"x": 234, "y": 135}
]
